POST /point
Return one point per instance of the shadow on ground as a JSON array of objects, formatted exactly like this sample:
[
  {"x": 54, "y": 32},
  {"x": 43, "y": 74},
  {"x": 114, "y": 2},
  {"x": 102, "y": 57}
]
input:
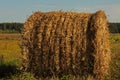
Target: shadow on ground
[{"x": 8, "y": 70}]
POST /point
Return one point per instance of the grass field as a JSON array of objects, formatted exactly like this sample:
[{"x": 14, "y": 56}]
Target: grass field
[
  {"x": 10, "y": 59},
  {"x": 115, "y": 63}
]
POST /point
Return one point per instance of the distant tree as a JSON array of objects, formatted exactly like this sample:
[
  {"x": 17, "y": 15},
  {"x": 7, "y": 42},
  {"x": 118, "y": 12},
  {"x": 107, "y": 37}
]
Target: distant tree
[
  {"x": 17, "y": 27},
  {"x": 114, "y": 27},
  {"x": 11, "y": 27}
]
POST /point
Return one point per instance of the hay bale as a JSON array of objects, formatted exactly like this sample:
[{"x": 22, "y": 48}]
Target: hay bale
[{"x": 66, "y": 43}]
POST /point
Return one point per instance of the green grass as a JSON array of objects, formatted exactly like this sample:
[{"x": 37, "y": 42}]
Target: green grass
[
  {"x": 9, "y": 31},
  {"x": 115, "y": 63},
  {"x": 115, "y": 38},
  {"x": 11, "y": 54}
]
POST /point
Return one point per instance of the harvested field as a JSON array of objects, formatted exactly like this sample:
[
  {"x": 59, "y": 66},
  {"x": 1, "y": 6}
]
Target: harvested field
[{"x": 10, "y": 36}]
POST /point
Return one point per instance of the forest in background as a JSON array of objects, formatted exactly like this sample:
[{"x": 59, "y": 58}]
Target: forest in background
[
  {"x": 11, "y": 27},
  {"x": 17, "y": 27},
  {"x": 114, "y": 27}
]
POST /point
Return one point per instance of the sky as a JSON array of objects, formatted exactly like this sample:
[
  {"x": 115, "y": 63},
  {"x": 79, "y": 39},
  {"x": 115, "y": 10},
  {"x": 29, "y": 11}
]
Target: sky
[{"x": 20, "y": 10}]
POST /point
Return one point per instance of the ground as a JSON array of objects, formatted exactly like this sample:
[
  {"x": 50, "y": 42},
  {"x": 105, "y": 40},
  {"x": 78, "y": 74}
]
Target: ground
[{"x": 10, "y": 59}]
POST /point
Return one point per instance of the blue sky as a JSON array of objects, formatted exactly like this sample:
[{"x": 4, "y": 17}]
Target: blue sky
[{"x": 20, "y": 10}]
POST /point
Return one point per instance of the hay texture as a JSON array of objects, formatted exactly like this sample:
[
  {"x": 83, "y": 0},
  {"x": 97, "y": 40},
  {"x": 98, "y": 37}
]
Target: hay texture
[{"x": 66, "y": 43}]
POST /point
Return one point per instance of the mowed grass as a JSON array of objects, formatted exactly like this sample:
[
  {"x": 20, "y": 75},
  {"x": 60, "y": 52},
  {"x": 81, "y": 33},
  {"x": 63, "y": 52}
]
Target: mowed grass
[{"x": 11, "y": 52}]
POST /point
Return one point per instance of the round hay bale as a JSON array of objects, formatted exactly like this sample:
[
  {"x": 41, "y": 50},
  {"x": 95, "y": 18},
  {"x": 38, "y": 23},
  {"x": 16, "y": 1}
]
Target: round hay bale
[{"x": 66, "y": 43}]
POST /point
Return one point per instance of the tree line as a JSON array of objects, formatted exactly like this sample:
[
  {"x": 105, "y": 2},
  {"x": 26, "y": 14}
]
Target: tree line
[
  {"x": 17, "y": 27},
  {"x": 11, "y": 27},
  {"x": 114, "y": 27}
]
